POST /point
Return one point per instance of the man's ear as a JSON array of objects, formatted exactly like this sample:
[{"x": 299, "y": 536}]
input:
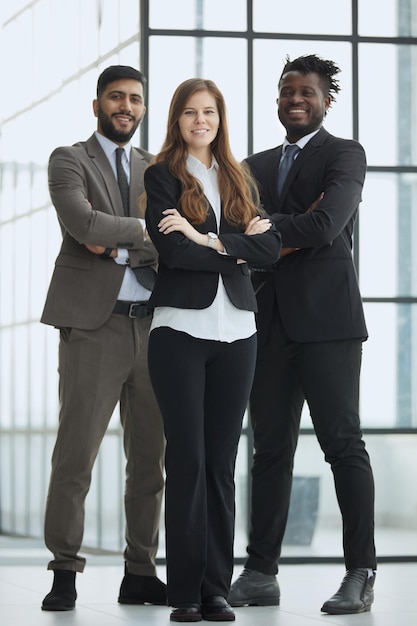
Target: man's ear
[{"x": 95, "y": 107}]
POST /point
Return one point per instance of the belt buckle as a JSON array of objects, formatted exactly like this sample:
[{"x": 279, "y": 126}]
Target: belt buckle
[{"x": 132, "y": 309}]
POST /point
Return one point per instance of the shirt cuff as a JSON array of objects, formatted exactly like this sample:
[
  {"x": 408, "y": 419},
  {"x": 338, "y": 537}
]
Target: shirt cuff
[{"x": 122, "y": 257}]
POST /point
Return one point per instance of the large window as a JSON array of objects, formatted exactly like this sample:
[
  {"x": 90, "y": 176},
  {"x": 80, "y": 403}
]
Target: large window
[{"x": 241, "y": 45}]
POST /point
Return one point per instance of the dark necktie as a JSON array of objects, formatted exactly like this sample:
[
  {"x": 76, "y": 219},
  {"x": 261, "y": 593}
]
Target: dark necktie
[
  {"x": 286, "y": 162},
  {"x": 122, "y": 180},
  {"x": 146, "y": 276}
]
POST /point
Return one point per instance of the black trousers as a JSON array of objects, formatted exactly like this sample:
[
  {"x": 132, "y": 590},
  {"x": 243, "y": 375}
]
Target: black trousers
[
  {"x": 326, "y": 375},
  {"x": 202, "y": 388}
]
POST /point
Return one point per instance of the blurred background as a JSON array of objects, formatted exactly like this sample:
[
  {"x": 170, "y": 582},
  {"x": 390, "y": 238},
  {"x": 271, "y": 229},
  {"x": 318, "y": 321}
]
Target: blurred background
[{"x": 51, "y": 53}]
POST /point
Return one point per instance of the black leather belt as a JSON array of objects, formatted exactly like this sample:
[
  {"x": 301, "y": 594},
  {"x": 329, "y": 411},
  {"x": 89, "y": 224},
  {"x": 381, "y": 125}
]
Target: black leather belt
[{"x": 132, "y": 309}]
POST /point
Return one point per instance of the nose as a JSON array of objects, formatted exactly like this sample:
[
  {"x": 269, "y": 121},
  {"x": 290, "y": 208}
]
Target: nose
[
  {"x": 125, "y": 104},
  {"x": 200, "y": 118},
  {"x": 296, "y": 97}
]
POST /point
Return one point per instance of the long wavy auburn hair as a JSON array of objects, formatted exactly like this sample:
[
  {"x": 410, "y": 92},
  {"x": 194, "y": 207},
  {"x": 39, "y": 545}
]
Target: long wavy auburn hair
[{"x": 238, "y": 191}]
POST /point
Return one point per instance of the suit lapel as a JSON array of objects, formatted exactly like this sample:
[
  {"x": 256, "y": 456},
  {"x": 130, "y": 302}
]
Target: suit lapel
[
  {"x": 309, "y": 150},
  {"x": 101, "y": 163}
]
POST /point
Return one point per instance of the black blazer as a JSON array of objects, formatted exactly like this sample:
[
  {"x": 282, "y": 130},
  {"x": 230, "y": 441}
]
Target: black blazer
[
  {"x": 316, "y": 288},
  {"x": 188, "y": 273}
]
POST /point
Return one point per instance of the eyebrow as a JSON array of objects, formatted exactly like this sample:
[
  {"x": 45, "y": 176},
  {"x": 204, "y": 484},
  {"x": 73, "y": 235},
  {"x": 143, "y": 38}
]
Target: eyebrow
[{"x": 121, "y": 92}]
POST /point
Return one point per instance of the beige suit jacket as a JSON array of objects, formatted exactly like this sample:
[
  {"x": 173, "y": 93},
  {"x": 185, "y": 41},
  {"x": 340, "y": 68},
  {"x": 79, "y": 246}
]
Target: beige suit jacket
[{"x": 84, "y": 191}]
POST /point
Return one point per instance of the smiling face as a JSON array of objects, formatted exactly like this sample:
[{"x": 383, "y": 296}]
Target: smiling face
[
  {"x": 120, "y": 110},
  {"x": 199, "y": 123},
  {"x": 302, "y": 105}
]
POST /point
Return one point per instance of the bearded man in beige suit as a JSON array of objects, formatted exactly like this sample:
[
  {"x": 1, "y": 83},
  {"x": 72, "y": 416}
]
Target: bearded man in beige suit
[{"x": 99, "y": 304}]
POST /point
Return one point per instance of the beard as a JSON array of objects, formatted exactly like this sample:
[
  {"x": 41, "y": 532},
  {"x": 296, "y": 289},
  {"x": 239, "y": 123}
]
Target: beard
[
  {"x": 108, "y": 129},
  {"x": 301, "y": 128}
]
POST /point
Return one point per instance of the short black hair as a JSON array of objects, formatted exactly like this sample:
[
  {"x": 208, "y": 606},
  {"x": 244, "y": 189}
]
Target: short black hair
[
  {"x": 117, "y": 72},
  {"x": 312, "y": 63}
]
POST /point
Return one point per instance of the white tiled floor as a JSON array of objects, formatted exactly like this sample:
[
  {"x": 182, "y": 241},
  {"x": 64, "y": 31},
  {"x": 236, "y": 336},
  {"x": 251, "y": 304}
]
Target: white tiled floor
[{"x": 24, "y": 581}]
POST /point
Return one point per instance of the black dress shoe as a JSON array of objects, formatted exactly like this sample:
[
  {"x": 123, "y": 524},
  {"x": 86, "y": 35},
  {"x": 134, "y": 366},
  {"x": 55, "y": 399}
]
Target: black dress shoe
[
  {"x": 137, "y": 589},
  {"x": 63, "y": 594},
  {"x": 187, "y": 612},
  {"x": 355, "y": 594},
  {"x": 216, "y": 609},
  {"x": 254, "y": 589}
]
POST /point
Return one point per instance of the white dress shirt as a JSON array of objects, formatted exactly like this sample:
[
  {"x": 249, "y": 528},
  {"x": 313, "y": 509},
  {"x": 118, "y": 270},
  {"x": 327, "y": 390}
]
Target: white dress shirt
[{"x": 131, "y": 290}]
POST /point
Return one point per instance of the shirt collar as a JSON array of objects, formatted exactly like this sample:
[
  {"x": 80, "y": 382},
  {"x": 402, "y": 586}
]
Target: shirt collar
[
  {"x": 194, "y": 165},
  {"x": 109, "y": 146},
  {"x": 301, "y": 143}
]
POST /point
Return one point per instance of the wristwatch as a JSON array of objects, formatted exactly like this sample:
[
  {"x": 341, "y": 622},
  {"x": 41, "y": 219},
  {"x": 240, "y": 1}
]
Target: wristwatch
[{"x": 211, "y": 237}]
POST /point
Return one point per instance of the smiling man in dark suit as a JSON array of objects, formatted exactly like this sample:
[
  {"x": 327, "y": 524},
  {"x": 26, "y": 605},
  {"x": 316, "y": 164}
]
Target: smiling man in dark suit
[
  {"x": 100, "y": 308},
  {"x": 310, "y": 332}
]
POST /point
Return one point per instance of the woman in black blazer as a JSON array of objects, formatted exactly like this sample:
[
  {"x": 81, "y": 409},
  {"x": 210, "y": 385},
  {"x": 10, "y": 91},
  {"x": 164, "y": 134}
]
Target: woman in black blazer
[{"x": 202, "y": 216}]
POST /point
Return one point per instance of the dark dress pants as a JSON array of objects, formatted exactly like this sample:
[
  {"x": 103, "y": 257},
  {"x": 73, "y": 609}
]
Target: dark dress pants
[
  {"x": 326, "y": 375},
  {"x": 202, "y": 388},
  {"x": 97, "y": 369}
]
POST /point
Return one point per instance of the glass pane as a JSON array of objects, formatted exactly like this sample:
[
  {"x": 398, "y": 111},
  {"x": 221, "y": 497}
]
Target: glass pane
[
  {"x": 389, "y": 200},
  {"x": 64, "y": 42},
  {"x": 266, "y": 76},
  {"x": 203, "y": 14},
  {"x": 128, "y": 20},
  {"x": 8, "y": 10},
  {"x": 209, "y": 58},
  {"x": 20, "y": 377},
  {"x": 41, "y": 52},
  {"x": 108, "y": 21},
  {"x": 21, "y": 264},
  {"x": 308, "y": 17},
  {"x": 22, "y": 191},
  {"x": 220, "y": 65},
  {"x": 6, "y": 412},
  {"x": 394, "y": 141},
  {"x": 166, "y": 74},
  {"x": 88, "y": 33},
  {"x": 165, "y": 14},
  {"x": 8, "y": 182},
  {"x": 395, "y": 18},
  {"x": 19, "y": 71},
  {"x": 220, "y": 15},
  {"x": 388, "y": 392},
  {"x": 7, "y": 282}
]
